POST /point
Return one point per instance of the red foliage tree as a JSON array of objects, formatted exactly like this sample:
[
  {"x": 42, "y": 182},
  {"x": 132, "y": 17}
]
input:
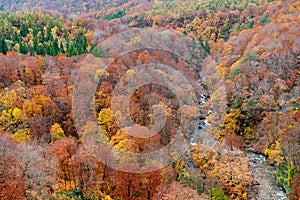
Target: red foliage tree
[
  {"x": 126, "y": 185},
  {"x": 12, "y": 185},
  {"x": 88, "y": 172},
  {"x": 63, "y": 150},
  {"x": 295, "y": 192},
  {"x": 236, "y": 141},
  {"x": 40, "y": 129}
]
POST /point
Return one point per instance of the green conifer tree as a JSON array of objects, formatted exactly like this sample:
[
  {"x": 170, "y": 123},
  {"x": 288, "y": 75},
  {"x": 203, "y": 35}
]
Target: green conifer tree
[{"x": 3, "y": 46}]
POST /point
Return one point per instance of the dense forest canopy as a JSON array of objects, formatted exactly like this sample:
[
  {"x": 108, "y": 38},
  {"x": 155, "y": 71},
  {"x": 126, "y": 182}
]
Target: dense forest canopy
[
  {"x": 241, "y": 58},
  {"x": 40, "y": 34}
]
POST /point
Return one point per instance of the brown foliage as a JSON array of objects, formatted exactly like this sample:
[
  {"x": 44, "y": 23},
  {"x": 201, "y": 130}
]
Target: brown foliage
[
  {"x": 236, "y": 141},
  {"x": 12, "y": 185},
  {"x": 136, "y": 185},
  {"x": 12, "y": 188},
  {"x": 64, "y": 149},
  {"x": 295, "y": 192},
  {"x": 88, "y": 172},
  {"x": 40, "y": 129}
]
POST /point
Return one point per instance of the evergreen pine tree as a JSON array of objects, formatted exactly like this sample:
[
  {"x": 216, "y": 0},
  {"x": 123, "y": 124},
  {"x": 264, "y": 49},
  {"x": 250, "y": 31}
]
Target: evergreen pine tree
[
  {"x": 40, "y": 50},
  {"x": 48, "y": 49},
  {"x": 84, "y": 44},
  {"x": 42, "y": 39},
  {"x": 207, "y": 46},
  {"x": 16, "y": 38},
  {"x": 31, "y": 51},
  {"x": 24, "y": 30},
  {"x": 3, "y": 46},
  {"x": 54, "y": 50},
  {"x": 70, "y": 49},
  {"x": 49, "y": 35},
  {"x": 35, "y": 32},
  {"x": 23, "y": 49},
  {"x": 35, "y": 43},
  {"x": 61, "y": 48}
]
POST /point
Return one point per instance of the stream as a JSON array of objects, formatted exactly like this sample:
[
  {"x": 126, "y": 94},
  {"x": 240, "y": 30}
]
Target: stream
[
  {"x": 263, "y": 175},
  {"x": 258, "y": 164}
]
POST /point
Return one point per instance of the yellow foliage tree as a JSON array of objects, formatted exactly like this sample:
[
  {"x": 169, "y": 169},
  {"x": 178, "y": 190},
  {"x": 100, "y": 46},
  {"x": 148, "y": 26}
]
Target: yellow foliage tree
[
  {"x": 56, "y": 132},
  {"x": 274, "y": 153},
  {"x": 105, "y": 116},
  {"x": 21, "y": 135},
  {"x": 10, "y": 119},
  {"x": 106, "y": 121},
  {"x": 231, "y": 125}
]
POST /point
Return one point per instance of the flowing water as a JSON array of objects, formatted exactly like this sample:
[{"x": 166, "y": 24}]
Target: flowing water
[
  {"x": 263, "y": 175},
  {"x": 258, "y": 164}
]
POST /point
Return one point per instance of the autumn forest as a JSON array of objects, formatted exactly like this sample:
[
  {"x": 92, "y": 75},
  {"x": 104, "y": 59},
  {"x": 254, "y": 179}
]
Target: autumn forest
[{"x": 150, "y": 99}]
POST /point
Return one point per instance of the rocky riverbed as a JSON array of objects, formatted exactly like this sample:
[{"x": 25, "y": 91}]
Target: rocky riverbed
[{"x": 263, "y": 175}]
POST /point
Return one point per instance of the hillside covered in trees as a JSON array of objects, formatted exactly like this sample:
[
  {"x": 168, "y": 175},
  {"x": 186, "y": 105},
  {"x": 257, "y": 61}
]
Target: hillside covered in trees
[{"x": 64, "y": 68}]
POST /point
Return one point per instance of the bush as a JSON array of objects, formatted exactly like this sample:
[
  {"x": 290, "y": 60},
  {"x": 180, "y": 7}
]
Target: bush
[
  {"x": 119, "y": 14},
  {"x": 217, "y": 194},
  {"x": 225, "y": 32},
  {"x": 97, "y": 52},
  {"x": 284, "y": 175},
  {"x": 72, "y": 195},
  {"x": 250, "y": 25},
  {"x": 233, "y": 72},
  {"x": 249, "y": 56},
  {"x": 264, "y": 20}
]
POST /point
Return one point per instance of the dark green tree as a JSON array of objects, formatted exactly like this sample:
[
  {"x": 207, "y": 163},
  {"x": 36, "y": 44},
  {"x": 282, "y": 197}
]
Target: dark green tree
[
  {"x": 17, "y": 38},
  {"x": 70, "y": 49},
  {"x": 205, "y": 46},
  {"x": 40, "y": 50},
  {"x": 250, "y": 24},
  {"x": 42, "y": 39},
  {"x": 49, "y": 35},
  {"x": 47, "y": 48},
  {"x": 35, "y": 32},
  {"x": 54, "y": 49},
  {"x": 24, "y": 30},
  {"x": 83, "y": 45},
  {"x": 61, "y": 48},
  {"x": 225, "y": 32},
  {"x": 3, "y": 46},
  {"x": 97, "y": 52},
  {"x": 80, "y": 44},
  {"x": 35, "y": 43},
  {"x": 23, "y": 48}
]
